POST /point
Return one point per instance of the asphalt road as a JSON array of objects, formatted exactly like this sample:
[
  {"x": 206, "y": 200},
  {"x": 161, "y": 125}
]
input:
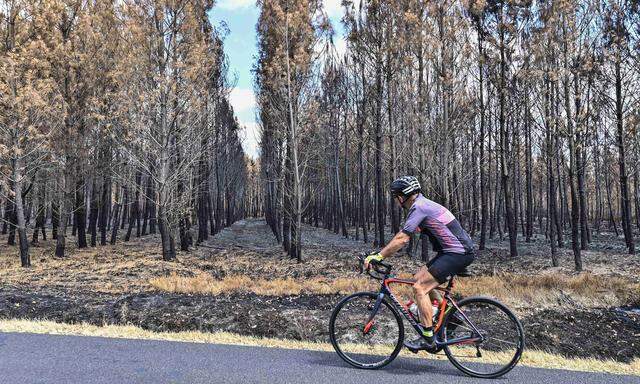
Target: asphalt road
[{"x": 30, "y": 358}]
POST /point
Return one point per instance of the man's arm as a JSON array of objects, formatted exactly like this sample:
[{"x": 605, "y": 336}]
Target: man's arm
[{"x": 399, "y": 240}]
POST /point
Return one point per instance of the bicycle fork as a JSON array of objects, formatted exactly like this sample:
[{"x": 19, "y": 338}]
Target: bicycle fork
[{"x": 374, "y": 311}]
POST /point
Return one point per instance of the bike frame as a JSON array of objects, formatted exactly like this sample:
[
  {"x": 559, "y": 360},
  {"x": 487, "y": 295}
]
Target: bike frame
[{"x": 445, "y": 306}]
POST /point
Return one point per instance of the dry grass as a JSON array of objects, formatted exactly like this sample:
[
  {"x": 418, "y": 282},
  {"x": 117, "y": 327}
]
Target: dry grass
[
  {"x": 206, "y": 284},
  {"x": 520, "y": 290},
  {"x": 530, "y": 358},
  {"x": 584, "y": 289},
  {"x": 125, "y": 267}
]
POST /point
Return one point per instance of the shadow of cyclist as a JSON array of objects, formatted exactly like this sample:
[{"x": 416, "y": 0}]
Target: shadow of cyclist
[{"x": 401, "y": 366}]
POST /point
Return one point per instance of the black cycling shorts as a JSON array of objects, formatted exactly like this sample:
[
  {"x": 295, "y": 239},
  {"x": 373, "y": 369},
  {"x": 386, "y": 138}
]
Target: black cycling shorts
[{"x": 446, "y": 265}]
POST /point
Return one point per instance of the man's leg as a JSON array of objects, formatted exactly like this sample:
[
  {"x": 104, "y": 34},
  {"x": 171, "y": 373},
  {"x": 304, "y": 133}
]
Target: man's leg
[{"x": 425, "y": 282}]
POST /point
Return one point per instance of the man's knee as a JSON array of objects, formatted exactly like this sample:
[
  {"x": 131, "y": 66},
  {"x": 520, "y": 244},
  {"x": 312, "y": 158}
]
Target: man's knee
[
  {"x": 422, "y": 274},
  {"x": 418, "y": 289},
  {"x": 424, "y": 282}
]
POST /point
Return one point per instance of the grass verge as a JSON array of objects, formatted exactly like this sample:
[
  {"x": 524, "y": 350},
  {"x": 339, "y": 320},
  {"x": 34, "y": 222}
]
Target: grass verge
[
  {"x": 531, "y": 358},
  {"x": 529, "y": 290}
]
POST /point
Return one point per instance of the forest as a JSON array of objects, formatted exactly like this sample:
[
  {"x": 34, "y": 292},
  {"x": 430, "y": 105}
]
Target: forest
[
  {"x": 115, "y": 116},
  {"x": 129, "y": 203},
  {"x": 521, "y": 117}
]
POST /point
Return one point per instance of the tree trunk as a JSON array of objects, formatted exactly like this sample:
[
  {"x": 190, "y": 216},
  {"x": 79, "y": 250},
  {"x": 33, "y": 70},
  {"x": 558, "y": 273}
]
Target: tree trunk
[
  {"x": 624, "y": 185},
  {"x": 105, "y": 205},
  {"x": 116, "y": 212},
  {"x": 575, "y": 215},
  {"x": 93, "y": 212},
  {"x": 64, "y": 198},
  {"x": 12, "y": 222},
  {"x": 379, "y": 152},
  {"x": 17, "y": 176},
  {"x": 551, "y": 196},
  {"x": 504, "y": 176},
  {"x": 80, "y": 216},
  {"x": 528, "y": 171},
  {"x": 41, "y": 215}
]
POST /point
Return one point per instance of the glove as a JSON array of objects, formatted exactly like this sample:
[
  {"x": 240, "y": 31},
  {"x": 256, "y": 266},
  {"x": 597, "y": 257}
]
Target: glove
[{"x": 376, "y": 256}]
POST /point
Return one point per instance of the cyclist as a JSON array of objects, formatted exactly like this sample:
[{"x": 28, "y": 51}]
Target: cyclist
[{"x": 454, "y": 247}]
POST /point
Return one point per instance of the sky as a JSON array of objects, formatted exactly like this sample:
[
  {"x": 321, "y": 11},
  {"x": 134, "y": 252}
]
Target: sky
[{"x": 240, "y": 17}]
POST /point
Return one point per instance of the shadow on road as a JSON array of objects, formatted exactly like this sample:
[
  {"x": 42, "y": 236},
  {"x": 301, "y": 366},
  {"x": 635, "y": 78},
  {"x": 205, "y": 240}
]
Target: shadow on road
[{"x": 400, "y": 366}]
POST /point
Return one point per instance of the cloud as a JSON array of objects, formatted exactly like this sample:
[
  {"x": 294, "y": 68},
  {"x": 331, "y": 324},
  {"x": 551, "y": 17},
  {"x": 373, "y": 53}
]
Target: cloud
[
  {"x": 242, "y": 99},
  {"x": 232, "y": 5},
  {"x": 333, "y": 7},
  {"x": 341, "y": 46},
  {"x": 251, "y": 135}
]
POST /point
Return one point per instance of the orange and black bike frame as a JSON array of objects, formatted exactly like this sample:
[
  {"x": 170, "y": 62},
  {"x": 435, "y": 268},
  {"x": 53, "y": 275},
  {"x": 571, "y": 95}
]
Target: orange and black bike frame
[{"x": 445, "y": 306}]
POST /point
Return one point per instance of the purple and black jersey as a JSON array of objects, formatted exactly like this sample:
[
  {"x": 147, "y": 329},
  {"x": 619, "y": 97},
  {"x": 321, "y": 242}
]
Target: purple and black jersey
[{"x": 443, "y": 229}]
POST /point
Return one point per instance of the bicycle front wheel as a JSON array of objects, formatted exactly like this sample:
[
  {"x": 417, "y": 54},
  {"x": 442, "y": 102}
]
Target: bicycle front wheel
[
  {"x": 488, "y": 339},
  {"x": 363, "y": 343}
]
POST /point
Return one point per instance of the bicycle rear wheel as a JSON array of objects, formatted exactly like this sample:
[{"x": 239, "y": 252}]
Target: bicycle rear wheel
[
  {"x": 363, "y": 344},
  {"x": 491, "y": 339}
]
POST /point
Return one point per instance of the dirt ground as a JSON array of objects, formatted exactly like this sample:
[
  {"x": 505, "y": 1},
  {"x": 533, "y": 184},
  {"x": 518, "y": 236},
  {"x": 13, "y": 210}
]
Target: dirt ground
[{"x": 586, "y": 315}]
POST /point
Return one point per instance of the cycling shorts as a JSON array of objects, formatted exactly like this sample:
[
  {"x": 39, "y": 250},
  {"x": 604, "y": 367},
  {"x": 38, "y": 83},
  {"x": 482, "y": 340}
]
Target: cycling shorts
[{"x": 446, "y": 264}]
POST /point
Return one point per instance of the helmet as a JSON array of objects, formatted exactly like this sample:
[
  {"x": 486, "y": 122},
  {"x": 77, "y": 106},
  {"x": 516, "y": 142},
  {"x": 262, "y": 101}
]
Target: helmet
[{"x": 405, "y": 186}]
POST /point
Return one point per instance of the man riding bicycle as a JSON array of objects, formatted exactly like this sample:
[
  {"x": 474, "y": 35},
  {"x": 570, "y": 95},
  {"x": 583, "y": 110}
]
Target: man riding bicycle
[{"x": 454, "y": 247}]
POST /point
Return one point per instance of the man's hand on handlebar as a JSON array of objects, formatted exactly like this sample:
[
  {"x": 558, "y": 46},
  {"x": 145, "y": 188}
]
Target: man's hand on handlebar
[
  {"x": 374, "y": 266},
  {"x": 373, "y": 257}
]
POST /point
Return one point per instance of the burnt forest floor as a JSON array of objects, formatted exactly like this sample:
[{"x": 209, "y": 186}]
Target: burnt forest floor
[{"x": 240, "y": 281}]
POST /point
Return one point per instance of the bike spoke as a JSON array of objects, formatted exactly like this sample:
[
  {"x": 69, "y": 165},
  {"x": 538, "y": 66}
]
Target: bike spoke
[
  {"x": 501, "y": 344},
  {"x": 379, "y": 344},
  {"x": 502, "y": 341}
]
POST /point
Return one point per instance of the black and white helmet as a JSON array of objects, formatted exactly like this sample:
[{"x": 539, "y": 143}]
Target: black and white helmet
[{"x": 405, "y": 186}]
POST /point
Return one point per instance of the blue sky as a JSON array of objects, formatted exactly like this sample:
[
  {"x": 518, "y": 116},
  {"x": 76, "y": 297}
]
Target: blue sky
[{"x": 240, "y": 17}]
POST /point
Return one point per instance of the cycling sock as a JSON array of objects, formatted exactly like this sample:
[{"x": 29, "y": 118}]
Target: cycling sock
[{"x": 427, "y": 332}]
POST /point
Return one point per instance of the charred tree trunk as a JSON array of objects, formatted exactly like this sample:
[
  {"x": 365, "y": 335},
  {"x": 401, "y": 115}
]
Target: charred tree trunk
[
  {"x": 504, "y": 148},
  {"x": 573, "y": 151},
  {"x": 41, "y": 215},
  {"x": 116, "y": 212},
  {"x": 11, "y": 220},
  {"x": 93, "y": 212},
  {"x": 379, "y": 152},
  {"x": 551, "y": 196},
  {"x": 105, "y": 205},
  {"x": 624, "y": 184},
  {"x": 80, "y": 210},
  {"x": 135, "y": 208}
]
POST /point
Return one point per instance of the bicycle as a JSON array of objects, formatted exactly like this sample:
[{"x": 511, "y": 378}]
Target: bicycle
[{"x": 367, "y": 330}]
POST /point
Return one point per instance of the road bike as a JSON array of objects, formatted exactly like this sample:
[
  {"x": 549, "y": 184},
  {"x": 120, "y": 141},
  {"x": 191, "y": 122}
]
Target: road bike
[{"x": 480, "y": 336}]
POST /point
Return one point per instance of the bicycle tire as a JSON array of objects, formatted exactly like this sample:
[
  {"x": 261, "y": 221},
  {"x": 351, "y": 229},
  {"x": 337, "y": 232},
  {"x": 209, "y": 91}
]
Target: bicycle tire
[
  {"x": 462, "y": 365},
  {"x": 336, "y": 344}
]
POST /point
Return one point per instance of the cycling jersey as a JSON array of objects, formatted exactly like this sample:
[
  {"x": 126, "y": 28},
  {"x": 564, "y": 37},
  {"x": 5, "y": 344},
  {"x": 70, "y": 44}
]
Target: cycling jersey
[{"x": 444, "y": 230}]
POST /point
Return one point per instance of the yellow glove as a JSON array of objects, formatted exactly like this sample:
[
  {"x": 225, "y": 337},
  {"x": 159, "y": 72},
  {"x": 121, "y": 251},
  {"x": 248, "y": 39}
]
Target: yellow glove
[{"x": 376, "y": 256}]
